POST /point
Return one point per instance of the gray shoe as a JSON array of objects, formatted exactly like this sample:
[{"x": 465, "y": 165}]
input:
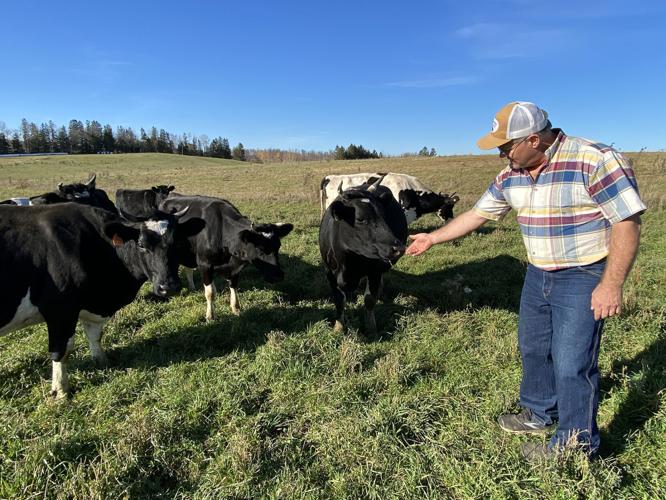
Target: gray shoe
[{"x": 522, "y": 423}]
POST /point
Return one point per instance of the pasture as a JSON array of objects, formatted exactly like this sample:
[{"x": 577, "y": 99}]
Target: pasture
[{"x": 273, "y": 403}]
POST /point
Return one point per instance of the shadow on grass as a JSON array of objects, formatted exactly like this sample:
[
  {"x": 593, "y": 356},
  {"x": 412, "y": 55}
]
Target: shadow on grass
[{"x": 643, "y": 398}]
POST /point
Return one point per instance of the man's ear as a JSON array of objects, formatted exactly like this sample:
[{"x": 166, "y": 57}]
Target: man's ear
[
  {"x": 190, "y": 227},
  {"x": 119, "y": 233},
  {"x": 340, "y": 211}
]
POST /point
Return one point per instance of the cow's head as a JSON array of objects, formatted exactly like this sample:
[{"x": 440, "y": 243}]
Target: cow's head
[
  {"x": 162, "y": 192},
  {"x": 261, "y": 245},
  {"x": 445, "y": 212},
  {"x": 370, "y": 222},
  {"x": 151, "y": 246},
  {"x": 77, "y": 191}
]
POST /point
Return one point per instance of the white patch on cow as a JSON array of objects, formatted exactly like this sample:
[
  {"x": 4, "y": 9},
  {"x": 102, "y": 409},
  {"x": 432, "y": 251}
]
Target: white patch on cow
[
  {"x": 82, "y": 194},
  {"x": 93, "y": 324},
  {"x": 22, "y": 202},
  {"x": 92, "y": 317},
  {"x": 158, "y": 226},
  {"x": 26, "y": 314},
  {"x": 60, "y": 378},
  {"x": 365, "y": 200},
  {"x": 209, "y": 292},
  {"x": 267, "y": 235},
  {"x": 410, "y": 215}
]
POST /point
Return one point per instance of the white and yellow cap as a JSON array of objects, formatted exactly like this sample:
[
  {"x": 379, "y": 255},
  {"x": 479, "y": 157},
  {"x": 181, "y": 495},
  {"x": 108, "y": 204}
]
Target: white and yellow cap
[{"x": 515, "y": 120}]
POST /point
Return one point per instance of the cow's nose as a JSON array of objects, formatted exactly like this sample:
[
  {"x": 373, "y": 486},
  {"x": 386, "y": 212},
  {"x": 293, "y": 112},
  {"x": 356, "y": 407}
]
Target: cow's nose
[{"x": 398, "y": 249}]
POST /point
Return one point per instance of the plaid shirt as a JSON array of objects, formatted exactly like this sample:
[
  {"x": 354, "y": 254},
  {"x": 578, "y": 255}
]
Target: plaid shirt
[{"x": 566, "y": 215}]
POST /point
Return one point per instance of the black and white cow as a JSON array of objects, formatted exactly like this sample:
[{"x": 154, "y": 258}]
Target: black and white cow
[
  {"x": 415, "y": 198},
  {"x": 362, "y": 234},
  {"x": 142, "y": 202},
  {"x": 83, "y": 193},
  {"x": 67, "y": 262},
  {"x": 228, "y": 243}
]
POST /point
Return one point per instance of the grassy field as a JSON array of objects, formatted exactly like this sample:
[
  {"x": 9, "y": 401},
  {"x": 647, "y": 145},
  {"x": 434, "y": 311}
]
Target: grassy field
[{"x": 275, "y": 404}]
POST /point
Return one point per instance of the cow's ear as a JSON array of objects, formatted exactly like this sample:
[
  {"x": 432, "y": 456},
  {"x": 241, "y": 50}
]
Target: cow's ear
[
  {"x": 281, "y": 230},
  {"x": 170, "y": 188},
  {"x": 408, "y": 198},
  {"x": 190, "y": 227},
  {"x": 119, "y": 233},
  {"x": 155, "y": 189},
  {"x": 249, "y": 236},
  {"x": 340, "y": 211}
]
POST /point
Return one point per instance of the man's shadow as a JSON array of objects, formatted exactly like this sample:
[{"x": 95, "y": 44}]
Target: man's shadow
[{"x": 644, "y": 395}]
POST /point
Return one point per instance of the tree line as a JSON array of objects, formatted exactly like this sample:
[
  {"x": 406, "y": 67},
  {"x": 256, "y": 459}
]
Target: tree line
[{"x": 92, "y": 137}]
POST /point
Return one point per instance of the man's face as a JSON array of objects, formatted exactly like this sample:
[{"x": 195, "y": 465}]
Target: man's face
[{"x": 522, "y": 153}]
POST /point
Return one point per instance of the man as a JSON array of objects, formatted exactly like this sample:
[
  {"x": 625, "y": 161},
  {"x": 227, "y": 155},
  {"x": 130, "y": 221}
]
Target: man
[{"x": 579, "y": 210}]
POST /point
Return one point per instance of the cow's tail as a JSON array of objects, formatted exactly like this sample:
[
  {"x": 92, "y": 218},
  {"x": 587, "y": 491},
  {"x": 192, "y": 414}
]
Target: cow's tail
[{"x": 322, "y": 195}]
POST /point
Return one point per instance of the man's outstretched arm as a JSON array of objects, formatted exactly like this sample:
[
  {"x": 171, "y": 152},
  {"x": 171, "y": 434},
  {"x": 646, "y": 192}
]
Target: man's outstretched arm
[{"x": 458, "y": 227}]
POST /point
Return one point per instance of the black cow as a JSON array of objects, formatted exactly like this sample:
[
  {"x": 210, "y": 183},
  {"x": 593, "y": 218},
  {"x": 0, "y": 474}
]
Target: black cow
[
  {"x": 68, "y": 262},
  {"x": 82, "y": 193},
  {"x": 142, "y": 202},
  {"x": 414, "y": 197},
  {"x": 362, "y": 234},
  {"x": 228, "y": 243}
]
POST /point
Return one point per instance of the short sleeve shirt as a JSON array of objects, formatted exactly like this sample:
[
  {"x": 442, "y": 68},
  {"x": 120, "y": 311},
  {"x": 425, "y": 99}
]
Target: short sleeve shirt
[{"x": 566, "y": 215}]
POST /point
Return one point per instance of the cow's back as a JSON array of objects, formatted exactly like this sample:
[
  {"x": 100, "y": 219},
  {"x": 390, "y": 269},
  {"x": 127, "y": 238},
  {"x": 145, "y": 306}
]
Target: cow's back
[
  {"x": 60, "y": 254},
  {"x": 223, "y": 223}
]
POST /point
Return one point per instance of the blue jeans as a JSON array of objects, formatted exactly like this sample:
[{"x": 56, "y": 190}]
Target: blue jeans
[{"x": 559, "y": 345}]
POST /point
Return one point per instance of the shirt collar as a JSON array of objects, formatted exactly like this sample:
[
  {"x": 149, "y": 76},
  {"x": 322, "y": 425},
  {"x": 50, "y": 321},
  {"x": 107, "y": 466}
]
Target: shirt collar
[{"x": 561, "y": 136}]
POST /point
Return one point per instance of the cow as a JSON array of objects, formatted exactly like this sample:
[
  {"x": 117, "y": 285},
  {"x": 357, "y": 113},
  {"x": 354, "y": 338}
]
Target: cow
[
  {"x": 82, "y": 193},
  {"x": 362, "y": 235},
  {"x": 142, "y": 202},
  {"x": 415, "y": 198},
  {"x": 228, "y": 243},
  {"x": 67, "y": 262}
]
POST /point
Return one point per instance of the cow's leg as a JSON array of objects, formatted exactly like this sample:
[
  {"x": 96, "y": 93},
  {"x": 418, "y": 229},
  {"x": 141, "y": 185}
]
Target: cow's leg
[
  {"x": 61, "y": 343},
  {"x": 207, "y": 275},
  {"x": 94, "y": 334},
  {"x": 233, "y": 294},
  {"x": 339, "y": 298},
  {"x": 370, "y": 299},
  {"x": 189, "y": 274}
]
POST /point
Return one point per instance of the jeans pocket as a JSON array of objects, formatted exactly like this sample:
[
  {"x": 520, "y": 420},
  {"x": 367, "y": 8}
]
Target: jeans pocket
[{"x": 593, "y": 270}]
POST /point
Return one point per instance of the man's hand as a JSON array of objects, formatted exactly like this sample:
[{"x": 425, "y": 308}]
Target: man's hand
[
  {"x": 606, "y": 301},
  {"x": 421, "y": 243}
]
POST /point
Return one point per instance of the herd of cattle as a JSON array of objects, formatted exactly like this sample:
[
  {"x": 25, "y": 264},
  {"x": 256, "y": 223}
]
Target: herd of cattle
[{"x": 73, "y": 255}]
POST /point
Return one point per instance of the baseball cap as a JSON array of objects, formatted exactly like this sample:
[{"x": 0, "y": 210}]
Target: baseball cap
[{"x": 515, "y": 120}]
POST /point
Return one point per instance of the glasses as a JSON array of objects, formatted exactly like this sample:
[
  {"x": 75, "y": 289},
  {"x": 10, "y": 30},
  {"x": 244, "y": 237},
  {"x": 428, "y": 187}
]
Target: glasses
[{"x": 507, "y": 149}]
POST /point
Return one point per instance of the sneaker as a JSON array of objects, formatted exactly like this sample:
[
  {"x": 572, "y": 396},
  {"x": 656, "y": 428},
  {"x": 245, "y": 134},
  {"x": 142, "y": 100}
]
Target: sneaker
[{"x": 523, "y": 422}]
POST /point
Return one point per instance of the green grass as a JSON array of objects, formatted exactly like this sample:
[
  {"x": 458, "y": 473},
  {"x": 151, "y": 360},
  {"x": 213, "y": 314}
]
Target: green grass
[{"x": 273, "y": 403}]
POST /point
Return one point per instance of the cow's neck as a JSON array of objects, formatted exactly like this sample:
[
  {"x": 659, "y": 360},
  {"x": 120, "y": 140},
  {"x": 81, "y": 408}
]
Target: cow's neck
[{"x": 131, "y": 257}]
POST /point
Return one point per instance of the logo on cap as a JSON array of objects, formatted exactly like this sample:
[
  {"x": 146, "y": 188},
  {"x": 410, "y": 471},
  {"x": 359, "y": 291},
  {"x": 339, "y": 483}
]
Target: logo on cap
[{"x": 495, "y": 125}]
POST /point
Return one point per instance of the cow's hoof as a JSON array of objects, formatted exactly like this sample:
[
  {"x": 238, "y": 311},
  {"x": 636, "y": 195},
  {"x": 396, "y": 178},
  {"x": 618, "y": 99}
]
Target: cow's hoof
[
  {"x": 58, "y": 394},
  {"x": 339, "y": 327},
  {"x": 210, "y": 319},
  {"x": 235, "y": 311}
]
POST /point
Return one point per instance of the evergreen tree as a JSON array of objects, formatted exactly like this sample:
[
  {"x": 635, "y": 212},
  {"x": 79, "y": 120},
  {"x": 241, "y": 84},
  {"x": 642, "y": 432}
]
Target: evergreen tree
[
  {"x": 239, "y": 152},
  {"x": 62, "y": 144},
  {"x": 4, "y": 144},
  {"x": 225, "y": 150},
  {"x": 76, "y": 136},
  {"x": 108, "y": 141},
  {"x": 17, "y": 146}
]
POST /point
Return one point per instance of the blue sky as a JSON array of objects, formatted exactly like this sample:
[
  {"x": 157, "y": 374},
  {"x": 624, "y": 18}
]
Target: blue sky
[{"x": 393, "y": 76}]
